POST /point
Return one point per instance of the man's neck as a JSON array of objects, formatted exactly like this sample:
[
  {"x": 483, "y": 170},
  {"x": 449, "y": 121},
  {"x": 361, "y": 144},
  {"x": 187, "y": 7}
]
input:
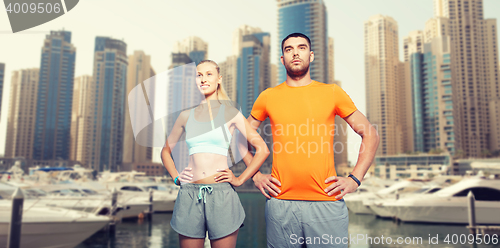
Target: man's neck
[{"x": 299, "y": 81}]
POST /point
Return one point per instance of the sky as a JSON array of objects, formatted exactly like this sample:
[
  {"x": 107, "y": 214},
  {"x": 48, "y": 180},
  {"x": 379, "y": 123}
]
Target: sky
[{"x": 155, "y": 25}]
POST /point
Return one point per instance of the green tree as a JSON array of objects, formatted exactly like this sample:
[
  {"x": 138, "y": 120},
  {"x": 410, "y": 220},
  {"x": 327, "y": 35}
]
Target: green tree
[{"x": 486, "y": 153}]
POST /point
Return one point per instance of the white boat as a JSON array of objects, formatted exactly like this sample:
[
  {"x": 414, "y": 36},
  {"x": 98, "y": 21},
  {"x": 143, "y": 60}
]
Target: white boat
[
  {"x": 354, "y": 201},
  {"x": 380, "y": 208},
  {"x": 450, "y": 204},
  {"x": 137, "y": 184},
  {"x": 78, "y": 197},
  {"x": 44, "y": 227},
  {"x": 163, "y": 200},
  {"x": 359, "y": 203},
  {"x": 130, "y": 205}
]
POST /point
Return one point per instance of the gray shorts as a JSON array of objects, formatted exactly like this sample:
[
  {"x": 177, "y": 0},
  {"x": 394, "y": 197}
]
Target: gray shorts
[
  {"x": 306, "y": 223},
  {"x": 199, "y": 208}
]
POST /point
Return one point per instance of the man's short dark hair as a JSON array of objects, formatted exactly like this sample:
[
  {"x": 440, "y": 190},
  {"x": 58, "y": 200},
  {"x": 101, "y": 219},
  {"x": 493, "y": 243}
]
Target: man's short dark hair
[{"x": 295, "y": 35}]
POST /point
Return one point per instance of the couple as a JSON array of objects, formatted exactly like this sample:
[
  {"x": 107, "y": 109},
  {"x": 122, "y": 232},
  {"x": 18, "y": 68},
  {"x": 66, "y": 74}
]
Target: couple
[{"x": 307, "y": 195}]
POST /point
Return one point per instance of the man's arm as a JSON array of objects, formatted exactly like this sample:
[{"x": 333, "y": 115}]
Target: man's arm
[
  {"x": 262, "y": 181},
  {"x": 370, "y": 140}
]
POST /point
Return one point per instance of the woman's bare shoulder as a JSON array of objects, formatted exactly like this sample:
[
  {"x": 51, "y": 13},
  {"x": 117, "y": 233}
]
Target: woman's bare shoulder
[
  {"x": 184, "y": 116},
  {"x": 231, "y": 113}
]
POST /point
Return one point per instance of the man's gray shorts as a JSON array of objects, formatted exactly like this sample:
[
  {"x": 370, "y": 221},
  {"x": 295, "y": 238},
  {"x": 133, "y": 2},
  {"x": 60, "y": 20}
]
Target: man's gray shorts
[
  {"x": 199, "y": 208},
  {"x": 306, "y": 223}
]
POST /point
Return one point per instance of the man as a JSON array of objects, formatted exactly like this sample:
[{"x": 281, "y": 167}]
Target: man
[{"x": 307, "y": 208}]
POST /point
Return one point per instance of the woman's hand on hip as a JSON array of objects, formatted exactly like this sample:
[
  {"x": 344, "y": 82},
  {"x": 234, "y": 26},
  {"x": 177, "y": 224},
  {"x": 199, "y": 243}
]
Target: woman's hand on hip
[
  {"x": 227, "y": 175},
  {"x": 186, "y": 175}
]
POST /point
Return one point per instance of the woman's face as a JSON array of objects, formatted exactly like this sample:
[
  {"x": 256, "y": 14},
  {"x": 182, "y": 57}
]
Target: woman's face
[{"x": 207, "y": 78}]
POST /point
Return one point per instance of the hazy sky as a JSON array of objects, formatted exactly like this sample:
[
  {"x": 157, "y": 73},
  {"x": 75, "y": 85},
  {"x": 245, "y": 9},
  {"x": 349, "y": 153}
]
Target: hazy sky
[{"x": 155, "y": 25}]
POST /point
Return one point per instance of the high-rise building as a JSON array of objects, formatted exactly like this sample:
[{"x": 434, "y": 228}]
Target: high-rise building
[
  {"x": 494, "y": 109},
  {"x": 54, "y": 97},
  {"x": 340, "y": 147},
  {"x": 310, "y": 18},
  {"x": 81, "y": 120},
  {"x": 474, "y": 68},
  {"x": 253, "y": 66},
  {"x": 107, "y": 105},
  {"x": 191, "y": 49},
  {"x": 274, "y": 75},
  {"x": 331, "y": 59},
  {"x": 413, "y": 43},
  {"x": 404, "y": 137},
  {"x": 22, "y": 113},
  {"x": 2, "y": 75},
  {"x": 436, "y": 27},
  {"x": 139, "y": 69},
  {"x": 383, "y": 83},
  {"x": 432, "y": 97},
  {"x": 228, "y": 71}
]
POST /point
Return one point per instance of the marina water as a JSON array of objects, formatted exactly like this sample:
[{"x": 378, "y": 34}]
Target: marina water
[{"x": 159, "y": 234}]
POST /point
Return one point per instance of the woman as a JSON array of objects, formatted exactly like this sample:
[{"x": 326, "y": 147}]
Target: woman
[{"x": 207, "y": 200}]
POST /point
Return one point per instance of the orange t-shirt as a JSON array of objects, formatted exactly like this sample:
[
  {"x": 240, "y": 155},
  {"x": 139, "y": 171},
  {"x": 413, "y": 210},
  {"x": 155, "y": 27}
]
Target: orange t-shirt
[{"x": 302, "y": 123}]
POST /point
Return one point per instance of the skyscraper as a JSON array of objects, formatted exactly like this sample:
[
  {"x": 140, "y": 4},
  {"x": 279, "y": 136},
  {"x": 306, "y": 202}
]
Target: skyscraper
[
  {"x": 413, "y": 43},
  {"x": 474, "y": 68},
  {"x": 432, "y": 97},
  {"x": 22, "y": 113},
  {"x": 310, "y": 18},
  {"x": 274, "y": 75},
  {"x": 139, "y": 69},
  {"x": 331, "y": 59},
  {"x": 54, "y": 97},
  {"x": 383, "y": 83},
  {"x": 191, "y": 49},
  {"x": 252, "y": 48},
  {"x": 2, "y": 74},
  {"x": 253, "y": 66},
  {"x": 228, "y": 71},
  {"x": 107, "y": 104},
  {"x": 81, "y": 120},
  {"x": 340, "y": 147}
]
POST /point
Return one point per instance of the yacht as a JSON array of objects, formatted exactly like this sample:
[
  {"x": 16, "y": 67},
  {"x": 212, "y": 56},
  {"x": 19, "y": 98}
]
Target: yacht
[
  {"x": 450, "y": 204},
  {"x": 380, "y": 208},
  {"x": 44, "y": 227},
  {"x": 136, "y": 184},
  {"x": 359, "y": 203}
]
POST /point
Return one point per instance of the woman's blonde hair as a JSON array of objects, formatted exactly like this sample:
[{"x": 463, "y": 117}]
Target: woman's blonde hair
[{"x": 221, "y": 93}]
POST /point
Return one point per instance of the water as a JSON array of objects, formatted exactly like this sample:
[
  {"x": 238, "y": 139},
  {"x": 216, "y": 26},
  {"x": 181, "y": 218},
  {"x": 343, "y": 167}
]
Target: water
[{"x": 159, "y": 234}]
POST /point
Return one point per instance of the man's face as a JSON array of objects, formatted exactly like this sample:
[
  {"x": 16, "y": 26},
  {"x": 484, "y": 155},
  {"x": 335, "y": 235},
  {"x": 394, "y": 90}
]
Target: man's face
[{"x": 297, "y": 56}]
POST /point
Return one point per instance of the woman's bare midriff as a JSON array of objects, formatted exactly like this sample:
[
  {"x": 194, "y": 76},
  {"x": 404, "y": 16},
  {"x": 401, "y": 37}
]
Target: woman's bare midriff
[{"x": 205, "y": 166}]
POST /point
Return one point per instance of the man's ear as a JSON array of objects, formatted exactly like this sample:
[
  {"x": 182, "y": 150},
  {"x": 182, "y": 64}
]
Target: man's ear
[
  {"x": 281, "y": 58},
  {"x": 311, "y": 57}
]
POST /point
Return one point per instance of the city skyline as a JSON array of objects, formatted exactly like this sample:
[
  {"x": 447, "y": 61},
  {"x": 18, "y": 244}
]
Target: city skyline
[{"x": 410, "y": 16}]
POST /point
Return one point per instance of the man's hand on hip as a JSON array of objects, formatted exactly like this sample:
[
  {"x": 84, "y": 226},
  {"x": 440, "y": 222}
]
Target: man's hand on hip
[
  {"x": 346, "y": 184},
  {"x": 267, "y": 182}
]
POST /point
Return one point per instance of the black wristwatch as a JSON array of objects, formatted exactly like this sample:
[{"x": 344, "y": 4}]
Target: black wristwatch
[{"x": 355, "y": 179}]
